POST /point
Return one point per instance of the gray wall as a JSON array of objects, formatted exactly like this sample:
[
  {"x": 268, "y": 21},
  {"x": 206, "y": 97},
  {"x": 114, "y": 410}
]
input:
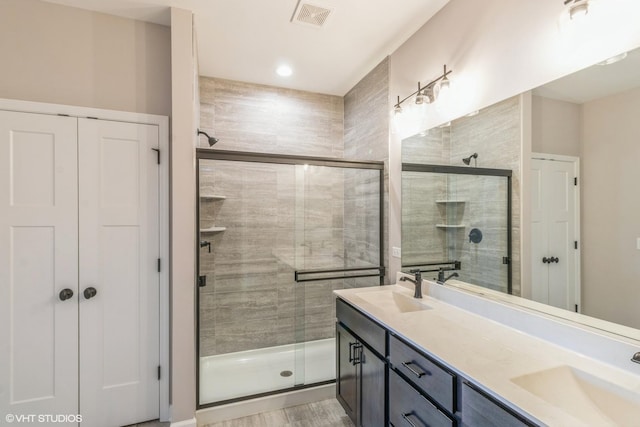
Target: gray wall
[
  {"x": 556, "y": 126},
  {"x": 64, "y": 55},
  {"x": 610, "y": 206}
]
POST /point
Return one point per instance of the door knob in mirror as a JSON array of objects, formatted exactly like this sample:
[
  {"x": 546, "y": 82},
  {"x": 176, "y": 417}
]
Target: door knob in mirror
[
  {"x": 546, "y": 260},
  {"x": 90, "y": 292},
  {"x": 65, "y": 294}
]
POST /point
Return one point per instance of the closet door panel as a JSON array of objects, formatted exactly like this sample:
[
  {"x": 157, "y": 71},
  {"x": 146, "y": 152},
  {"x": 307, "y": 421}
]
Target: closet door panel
[
  {"x": 38, "y": 259},
  {"x": 119, "y": 252}
]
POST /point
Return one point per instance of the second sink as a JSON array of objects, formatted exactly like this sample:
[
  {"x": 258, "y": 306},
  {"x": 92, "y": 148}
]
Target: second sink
[
  {"x": 586, "y": 397},
  {"x": 393, "y": 301}
]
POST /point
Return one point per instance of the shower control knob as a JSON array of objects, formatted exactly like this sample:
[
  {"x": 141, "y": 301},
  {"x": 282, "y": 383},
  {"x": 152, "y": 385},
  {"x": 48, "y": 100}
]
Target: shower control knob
[
  {"x": 90, "y": 292},
  {"x": 65, "y": 294}
]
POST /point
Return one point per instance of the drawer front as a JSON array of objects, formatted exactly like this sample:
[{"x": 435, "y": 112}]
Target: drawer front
[
  {"x": 408, "y": 408},
  {"x": 368, "y": 331},
  {"x": 423, "y": 373},
  {"x": 479, "y": 410}
]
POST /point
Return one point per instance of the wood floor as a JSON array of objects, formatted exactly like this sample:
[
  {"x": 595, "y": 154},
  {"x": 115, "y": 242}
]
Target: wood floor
[{"x": 326, "y": 413}]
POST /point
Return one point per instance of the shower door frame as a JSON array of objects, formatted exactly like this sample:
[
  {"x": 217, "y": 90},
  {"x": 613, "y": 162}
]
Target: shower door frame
[
  {"x": 463, "y": 170},
  {"x": 244, "y": 156}
]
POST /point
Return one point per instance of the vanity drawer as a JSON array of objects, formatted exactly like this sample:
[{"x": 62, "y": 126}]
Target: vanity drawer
[
  {"x": 433, "y": 380},
  {"x": 407, "y": 407},
  {"x": 366, "y": 329},
  {"x": 480, "y": 410}
]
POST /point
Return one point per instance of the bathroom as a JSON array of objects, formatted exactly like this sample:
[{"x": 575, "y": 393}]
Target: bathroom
[{"x": 304, "y": 190}]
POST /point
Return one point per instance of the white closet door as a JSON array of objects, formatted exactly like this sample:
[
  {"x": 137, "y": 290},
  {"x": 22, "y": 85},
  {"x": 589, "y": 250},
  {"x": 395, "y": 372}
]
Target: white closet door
[
  {"x": 553, "y": 232},
  {"x": 38, "y": 259},
  {"x": 119, "y": 333}
]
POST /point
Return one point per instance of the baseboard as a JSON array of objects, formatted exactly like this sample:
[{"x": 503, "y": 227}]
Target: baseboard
[
  {"x": 186, "y": 423},
  {"x": 264, "y": 404}
]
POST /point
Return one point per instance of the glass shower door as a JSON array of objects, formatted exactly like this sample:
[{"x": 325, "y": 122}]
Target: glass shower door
[{"x": 264, "y": 323}]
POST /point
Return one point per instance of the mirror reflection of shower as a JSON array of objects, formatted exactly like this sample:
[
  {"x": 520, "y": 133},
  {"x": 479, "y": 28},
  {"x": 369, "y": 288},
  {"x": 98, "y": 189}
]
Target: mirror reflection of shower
[{"x": 467, "y": 160}]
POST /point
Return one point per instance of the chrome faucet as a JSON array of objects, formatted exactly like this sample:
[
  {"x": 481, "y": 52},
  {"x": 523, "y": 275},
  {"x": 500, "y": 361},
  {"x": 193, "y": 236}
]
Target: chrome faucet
[
  {"x": 417, "y": 281},
  {"x": 442, "y": 279}
]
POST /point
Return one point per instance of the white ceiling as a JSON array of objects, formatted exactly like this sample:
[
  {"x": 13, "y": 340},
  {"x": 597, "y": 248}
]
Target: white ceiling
[
  {"x": 595, "y": 82},
  {"x": 247, "y": 39}
]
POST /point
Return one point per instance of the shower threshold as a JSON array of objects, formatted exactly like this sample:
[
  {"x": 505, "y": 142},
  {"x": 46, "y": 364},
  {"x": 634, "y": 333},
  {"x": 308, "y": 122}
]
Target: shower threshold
[{"x": 230, "y": 376}]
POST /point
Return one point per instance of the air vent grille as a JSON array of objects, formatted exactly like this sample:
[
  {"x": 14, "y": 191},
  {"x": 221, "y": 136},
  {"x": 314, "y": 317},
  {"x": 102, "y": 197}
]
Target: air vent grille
[{"x": 311, "y": 15}]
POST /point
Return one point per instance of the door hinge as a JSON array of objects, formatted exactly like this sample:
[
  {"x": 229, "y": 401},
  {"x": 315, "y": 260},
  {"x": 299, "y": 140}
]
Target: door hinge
[
  {"x": 575, "y": 244},
  {"x": 505, "y": 260},
  {"x": 159, "y": 372},
  {"x": 575, "y": 181},
  {"x": 576, "y": 308},
  {"x": 202, "y": 281},
  {"x": 157, "y": 150},
  {"x": 159, "y": 265}
]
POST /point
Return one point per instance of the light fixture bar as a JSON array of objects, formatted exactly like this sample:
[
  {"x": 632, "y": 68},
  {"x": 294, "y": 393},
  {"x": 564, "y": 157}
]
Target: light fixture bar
[{"x": 430, "y": 84}]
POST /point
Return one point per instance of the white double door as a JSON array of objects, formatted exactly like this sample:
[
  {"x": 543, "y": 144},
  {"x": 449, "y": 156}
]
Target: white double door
[
  {"x": 78, "y": 214},
  {"x": 554, "y": 230}
]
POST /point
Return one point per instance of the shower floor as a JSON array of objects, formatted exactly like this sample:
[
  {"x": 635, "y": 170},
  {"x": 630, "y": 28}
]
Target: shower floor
[{"x": 245, "y": 373}]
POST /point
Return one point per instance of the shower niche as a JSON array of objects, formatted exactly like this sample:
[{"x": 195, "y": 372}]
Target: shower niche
[
  {"x": 462, "y": 215},
  {"x": 277, "y": 235}
]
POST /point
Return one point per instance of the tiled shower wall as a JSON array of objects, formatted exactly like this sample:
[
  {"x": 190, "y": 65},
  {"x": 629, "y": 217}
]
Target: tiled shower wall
[
  {"x": 366, "y": 137},
  {"x": 494, "y": 134},
  {"x": 278, "y": 218}
]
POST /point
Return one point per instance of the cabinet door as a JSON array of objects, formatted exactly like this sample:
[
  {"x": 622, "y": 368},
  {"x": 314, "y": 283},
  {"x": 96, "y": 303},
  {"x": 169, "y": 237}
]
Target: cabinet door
[
  {"x": 372, "y": 386},
  {"x": 346, "y": 372},
  {"x": 119, "y": 328},
  {"x": 480, "y": 410},
  {"x": 38, "y": 259}
]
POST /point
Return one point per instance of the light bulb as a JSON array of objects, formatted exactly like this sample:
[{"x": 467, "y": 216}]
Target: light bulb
[
  {"x": 579, "y": 9},
  {"x": 420, "y": 98},
  {"x": 397, "y": 109}
]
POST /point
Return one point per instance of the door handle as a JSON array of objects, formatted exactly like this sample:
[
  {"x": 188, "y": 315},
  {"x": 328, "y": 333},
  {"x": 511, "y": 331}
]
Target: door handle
[
  {"x": 408, "y": 420},
  {"x": 357, "y": 354},
  {"x": 546, "y": 260},
  {"x": 413, "y": 371},
  {"x": 556, "y": 259},
  {"x": 65, "y": 294},
  {"x": 90, "y": 292}
]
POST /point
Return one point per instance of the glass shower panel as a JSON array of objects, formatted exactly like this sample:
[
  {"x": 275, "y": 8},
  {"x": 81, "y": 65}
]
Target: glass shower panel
[
  {"x": 450, "y": 217},
  {"x": 262, "y": 327}
]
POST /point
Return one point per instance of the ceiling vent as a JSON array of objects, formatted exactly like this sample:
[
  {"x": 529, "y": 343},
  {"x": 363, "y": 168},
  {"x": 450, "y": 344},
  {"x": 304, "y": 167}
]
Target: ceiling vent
[{"x": 310, "y": 15}]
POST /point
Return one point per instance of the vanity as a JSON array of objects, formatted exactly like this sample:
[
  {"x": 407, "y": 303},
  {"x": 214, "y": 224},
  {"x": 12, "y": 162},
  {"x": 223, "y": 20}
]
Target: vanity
[{"x": 442, "y": 361}]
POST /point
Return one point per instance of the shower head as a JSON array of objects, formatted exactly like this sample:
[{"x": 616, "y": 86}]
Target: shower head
[
  {"x": 467, "y": 160},
  {"x": 212, "y": 140}
]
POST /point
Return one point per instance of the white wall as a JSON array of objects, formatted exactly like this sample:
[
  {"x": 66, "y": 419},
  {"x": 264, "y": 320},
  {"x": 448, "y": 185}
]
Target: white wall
[
  {"x": 498, "y": 49},
  {"x": 610, "y": 207},
  {"x": 63, "y": 55},
  {"x": 183, "y": 216},
  {"x": 556, "y": 126}
]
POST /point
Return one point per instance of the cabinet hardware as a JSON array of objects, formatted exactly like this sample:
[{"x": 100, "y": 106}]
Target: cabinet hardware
[
  {"x": 158, "y": 153},
  {"x": 413, "y": 371},
  {"x": 357, "y": 353},
  {"x": 406, "y": 418}
]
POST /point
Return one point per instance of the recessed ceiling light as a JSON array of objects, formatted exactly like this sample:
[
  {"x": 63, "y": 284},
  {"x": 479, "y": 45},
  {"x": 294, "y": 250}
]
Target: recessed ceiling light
[
  {"x": 284, "y": 71},
  {"x": 613, "y": 59}
]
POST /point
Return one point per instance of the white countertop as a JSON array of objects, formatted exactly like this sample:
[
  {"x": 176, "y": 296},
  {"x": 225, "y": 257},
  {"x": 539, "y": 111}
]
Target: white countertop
[{"x": 491, "y": 354}]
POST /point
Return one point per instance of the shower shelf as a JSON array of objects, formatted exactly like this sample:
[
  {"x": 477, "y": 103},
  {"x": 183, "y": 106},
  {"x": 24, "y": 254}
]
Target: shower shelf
[
  {"x": 451, "y": 201},
  {"x": 213, "y": 229},
  {"x": 450, "y": 226},
  {"x": 212, "y": 197}
]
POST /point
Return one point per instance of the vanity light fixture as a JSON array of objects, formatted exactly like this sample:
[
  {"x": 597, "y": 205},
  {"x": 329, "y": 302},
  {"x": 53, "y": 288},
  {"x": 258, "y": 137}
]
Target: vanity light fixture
[
  {"x": 578, "y": 9},
  {"x": 428, "y": 93}
]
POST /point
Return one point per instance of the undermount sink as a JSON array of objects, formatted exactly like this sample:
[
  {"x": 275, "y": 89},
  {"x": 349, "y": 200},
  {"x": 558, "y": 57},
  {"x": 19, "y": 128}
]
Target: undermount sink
[
  {"x": 393, "y": 301},
  {"x": 584, "y": 396}
]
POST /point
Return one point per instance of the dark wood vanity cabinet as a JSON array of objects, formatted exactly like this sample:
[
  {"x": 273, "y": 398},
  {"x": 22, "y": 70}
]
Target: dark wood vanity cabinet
[
  {"x": 383, "y": 380},
  {"x": 361, "y": 368}
]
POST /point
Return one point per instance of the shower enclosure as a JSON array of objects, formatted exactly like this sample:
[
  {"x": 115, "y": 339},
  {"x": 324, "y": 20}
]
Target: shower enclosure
[
  {"x": 458, "y": 218},
  {"x": 277, "y": 235}
]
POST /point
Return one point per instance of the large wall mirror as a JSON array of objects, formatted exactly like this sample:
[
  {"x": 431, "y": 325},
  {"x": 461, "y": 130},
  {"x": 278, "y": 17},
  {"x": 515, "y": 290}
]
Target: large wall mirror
[{"x": 583, "y": 200}]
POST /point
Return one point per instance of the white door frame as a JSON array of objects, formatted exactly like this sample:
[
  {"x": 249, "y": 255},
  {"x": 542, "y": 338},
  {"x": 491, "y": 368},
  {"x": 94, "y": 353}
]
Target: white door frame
[
  {"x": 576, "y": 171},
  {"x": 163, "y": 128}
]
